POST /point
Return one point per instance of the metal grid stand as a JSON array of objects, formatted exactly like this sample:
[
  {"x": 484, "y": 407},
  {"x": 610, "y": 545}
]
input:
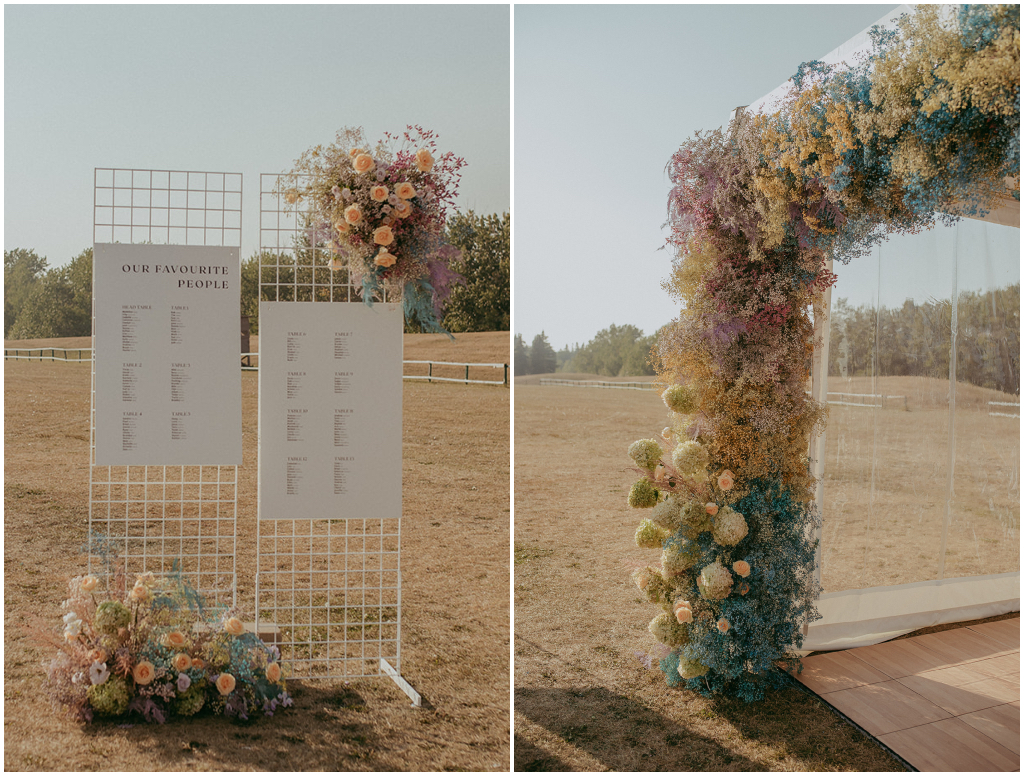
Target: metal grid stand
[
  {"x": 330, "y": 588},
  {"x": 166, "y": 515}
]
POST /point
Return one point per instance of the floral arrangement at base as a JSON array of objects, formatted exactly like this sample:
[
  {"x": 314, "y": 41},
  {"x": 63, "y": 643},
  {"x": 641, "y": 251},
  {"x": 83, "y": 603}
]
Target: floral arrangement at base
[
  {"x": 892, "y": 144},
  {"x": 382, "y": 212},
  {"x": 156, "y": 651}
]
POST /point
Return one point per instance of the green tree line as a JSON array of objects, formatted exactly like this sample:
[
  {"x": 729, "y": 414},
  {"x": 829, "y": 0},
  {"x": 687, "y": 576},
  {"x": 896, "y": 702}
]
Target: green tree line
[
  {"x": 42, "y": 302},
  {"x": 915, "y": 339},
  {"x": 617, "y": 351}
]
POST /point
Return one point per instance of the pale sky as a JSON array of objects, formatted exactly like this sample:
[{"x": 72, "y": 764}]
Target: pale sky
[
  {"x": 604, "y": 95},
  {"x": 237, "y": 88}
]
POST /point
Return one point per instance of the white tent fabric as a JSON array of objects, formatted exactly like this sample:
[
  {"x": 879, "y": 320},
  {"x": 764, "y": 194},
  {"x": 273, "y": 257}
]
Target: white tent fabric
[{"x": 872, "y": 614}]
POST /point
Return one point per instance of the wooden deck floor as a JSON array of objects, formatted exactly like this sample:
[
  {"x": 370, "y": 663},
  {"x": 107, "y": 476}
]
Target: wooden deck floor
[{"x": 946, "y": 701}]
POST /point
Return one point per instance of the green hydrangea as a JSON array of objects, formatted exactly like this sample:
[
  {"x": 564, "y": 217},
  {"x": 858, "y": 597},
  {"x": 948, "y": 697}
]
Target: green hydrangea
[
  {"x": 110, "y": 698},
  {"x": 668, "y": 631},
  {"x": 691, "y": 669},
  {"x": 648, "y": 536},
  {"x": 643, "y": 494},
  {"x": 678, "y": 556},
  {"x": 646, "y": 453},
  {"x": 729, "y": 528},
  {"x": 111, "y": 616},
  {"x": 690, "y": 457},
  {"x": 191, "y": 701},
  {"x": 694, "y": 516},
  {"x": 714, "y": 582},
  {"x": 651, "y": 584},
  {"x": 666, "y": 514},
  {"x": 680, "y": 398}
]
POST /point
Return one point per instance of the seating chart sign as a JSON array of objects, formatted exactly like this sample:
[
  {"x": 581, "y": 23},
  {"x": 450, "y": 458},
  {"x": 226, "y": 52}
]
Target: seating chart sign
[
  {"x": 168, "y": 376},
  {"x": 330, "y": 411}
]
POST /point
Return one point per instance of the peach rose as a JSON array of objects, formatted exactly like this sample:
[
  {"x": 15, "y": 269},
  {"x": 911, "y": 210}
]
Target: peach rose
[
  {"x": 403, "y": 209},
  {"x": 385, "y": 259},
  {"x": 198, "y": 663},
  {"x": 725, "y": 481},
  {"x": 353, "y": 153},
  {"x": 379, "y": 193},
  {"x": 659, "y": 472},
  {"x": 711, "y": 508},
  {"x": 666, "y": 434},
  {"x": 225, "y": 684},
  {"x": 424, "y": 160},
  {"x": 742, "y": 568},
  {"x": 139, "y": 593},
  {"x": 683, "y": 612},
  {"x": 353, "y": 214},
  {"x": 147, "y": 579},
  {"x": 182, "y": 662},
  {"x": 234, "y": 626},
  {"x": 723, "y": 625},
  {"x": 383, "y": 235},
  {"x": 173, "y": 640},
  {"x": 405, "y": 190},
  {"x": 143, "y": 672},
  {"x": 89, "y": 584},
  {"x": 273, "y": 672},
  {"x": 342, "y": 227},
  {"x": 363, "y": 163},
  {"x": 98, "y": 656}
]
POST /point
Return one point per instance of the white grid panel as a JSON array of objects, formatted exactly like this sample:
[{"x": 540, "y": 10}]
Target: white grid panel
[
  {"x": 162, "y": 516},
  {"x": 330, "y": 588}
]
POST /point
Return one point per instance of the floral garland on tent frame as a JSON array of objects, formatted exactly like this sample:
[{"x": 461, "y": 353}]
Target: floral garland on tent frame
[{"x": 926, "y": 129}]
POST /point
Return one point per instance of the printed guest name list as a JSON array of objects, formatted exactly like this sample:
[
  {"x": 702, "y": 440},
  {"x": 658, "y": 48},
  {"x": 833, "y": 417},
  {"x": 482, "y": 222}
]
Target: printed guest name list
[
  {"x": 330, "y": 411},
  {"x": 168, "y": 382}
]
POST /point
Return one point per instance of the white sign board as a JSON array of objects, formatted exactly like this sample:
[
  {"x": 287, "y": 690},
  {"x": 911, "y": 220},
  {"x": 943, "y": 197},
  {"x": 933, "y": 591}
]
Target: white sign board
[
  {"x": 168, "y": 373},
  {"x": 330, "y": 411}
]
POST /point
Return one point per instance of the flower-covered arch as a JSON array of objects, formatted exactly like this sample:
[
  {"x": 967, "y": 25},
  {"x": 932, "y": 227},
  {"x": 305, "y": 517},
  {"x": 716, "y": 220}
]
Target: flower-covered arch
[{"x": 925, "y": 130}]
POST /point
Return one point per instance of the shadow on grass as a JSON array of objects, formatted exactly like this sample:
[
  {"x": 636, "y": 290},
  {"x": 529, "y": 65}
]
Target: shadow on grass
[
  {"x": 787, "y": 728},
  {"x": 621, "y": 733}
]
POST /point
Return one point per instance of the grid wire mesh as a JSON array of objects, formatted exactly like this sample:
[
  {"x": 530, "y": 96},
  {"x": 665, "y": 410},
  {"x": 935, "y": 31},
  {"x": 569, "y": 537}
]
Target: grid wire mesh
[
  {"x": 160, "y": 517},
  {"x": 330, "y": 589}
]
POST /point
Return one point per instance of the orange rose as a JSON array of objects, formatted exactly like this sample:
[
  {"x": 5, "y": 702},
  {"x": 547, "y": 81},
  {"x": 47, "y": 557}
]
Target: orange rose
[
  {"x": 405, "y": 190},
  {"x": 385, "y": 259},
  {"x": 353, "y": 214},
  {"x": 198, "y": 663},
  {"x": 403, "y": 209},
  {"x": 173, "y": 640},
  {"x": 182, "y": 662},
  {"x": 143, "y": 672},
  {"x": 723, "y": 625},
  {"x": 98, "y": 656},
  {"x": 742, "y": 568},
  {"x": 363, "y": 163},
  {"x": 424, "y": 160},
  {"x": 342, "y": 227},
  {"x": 379, "y": 193},
  {"x": 383, "y": 235},
  {"x": 234, "y": 626},
  {"x": 273, "y": 673},
  {"x": 225, "y": 684},
  {"x": 711, "y": 509}
]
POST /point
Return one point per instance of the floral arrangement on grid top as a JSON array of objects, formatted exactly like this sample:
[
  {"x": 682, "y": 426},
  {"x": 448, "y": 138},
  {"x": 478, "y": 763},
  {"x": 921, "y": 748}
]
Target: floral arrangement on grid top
[
  {"x": 156, "y": 650},
  {"x": 383, "y": 213}
]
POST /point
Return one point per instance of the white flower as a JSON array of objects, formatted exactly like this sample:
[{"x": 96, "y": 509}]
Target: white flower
[
  {"x": 729, "y": 528},
  {"x": 98, "y": 673}
]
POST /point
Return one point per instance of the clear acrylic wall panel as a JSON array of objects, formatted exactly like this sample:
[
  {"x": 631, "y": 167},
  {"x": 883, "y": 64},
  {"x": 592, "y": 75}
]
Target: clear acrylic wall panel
[
  {"x": 906, "y": 499},
  {"x": 985, "y": 507}
]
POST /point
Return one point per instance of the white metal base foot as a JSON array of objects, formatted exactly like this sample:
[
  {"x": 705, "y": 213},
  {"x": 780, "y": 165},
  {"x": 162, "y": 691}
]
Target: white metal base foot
[{"x": 403, "y": 685}]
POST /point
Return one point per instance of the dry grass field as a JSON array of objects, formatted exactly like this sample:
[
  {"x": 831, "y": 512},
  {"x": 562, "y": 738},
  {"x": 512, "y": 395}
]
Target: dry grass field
[
  {"x": 456, "y": 576},
  {"x": 582, "y": 699}
]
